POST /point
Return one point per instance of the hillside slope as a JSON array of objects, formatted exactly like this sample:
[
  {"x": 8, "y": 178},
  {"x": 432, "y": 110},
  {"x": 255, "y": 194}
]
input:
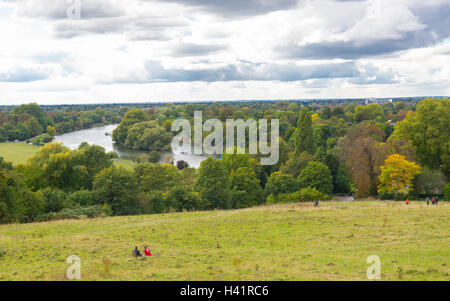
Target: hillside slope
[{"x": 286, "y": 242}]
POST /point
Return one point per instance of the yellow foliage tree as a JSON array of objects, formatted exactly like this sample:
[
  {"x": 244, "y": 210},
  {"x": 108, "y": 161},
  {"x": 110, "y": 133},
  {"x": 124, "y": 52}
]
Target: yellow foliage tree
[{"x": 397, "y": 175}]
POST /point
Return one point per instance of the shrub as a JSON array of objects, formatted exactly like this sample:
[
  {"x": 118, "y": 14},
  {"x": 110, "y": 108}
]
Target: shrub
[
  {"x": 82, "y": 198},
  {"x": 310, "y": 194},
  {"x": 47, "y": 139},
  {"x": 75, "y": 213},
  {"x": 142, "y": 158},
  {"x": 154, "y": 157},
  {"x": 447, "y": 192},
  {"x": 386, "y": 196},
  {"x": 112, "y": 155},
  {"x": 55, "y": 199}
]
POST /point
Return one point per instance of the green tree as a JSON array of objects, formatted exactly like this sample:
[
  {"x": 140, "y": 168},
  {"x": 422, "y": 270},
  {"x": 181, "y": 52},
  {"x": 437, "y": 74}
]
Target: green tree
[
  {"x": 117, "y": 187},
  {"x": 296, "y": 164},
  {"x": 154, "y": 156},
  {"x": 131, "y": 117},
  {"x": 304, "y": 139},
  {"x": 92, "y": 159},
  {"x": 317, "y": 175},
  {"x": 280, "y": 183},
  {"x": 246, "y": 191},
  {"x": 213, "y": 184},
  {"x": 428, "y": 130}
]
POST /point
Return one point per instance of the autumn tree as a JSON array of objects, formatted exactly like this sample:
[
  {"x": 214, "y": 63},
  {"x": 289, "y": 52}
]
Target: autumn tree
[
  {"x": 397, "y": 175},
  {"x": 362, "y": 151}
]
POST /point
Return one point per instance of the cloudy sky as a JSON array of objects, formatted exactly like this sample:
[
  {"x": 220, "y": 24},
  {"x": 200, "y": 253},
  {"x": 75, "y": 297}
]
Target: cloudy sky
[{"x": 84, "y": 51}]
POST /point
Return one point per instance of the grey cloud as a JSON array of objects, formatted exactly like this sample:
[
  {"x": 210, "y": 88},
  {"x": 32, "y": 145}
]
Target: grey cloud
[
  {"x": 57, "y": 9},
  {"x": 436, "y": 29},
  {"x": 23, "y": 75},
  {"x": 187, "y": 49},
  {"x": 238, "y": 8},
  {"x": 370, "y": 75},
  {"x": 245, "y": 71}
]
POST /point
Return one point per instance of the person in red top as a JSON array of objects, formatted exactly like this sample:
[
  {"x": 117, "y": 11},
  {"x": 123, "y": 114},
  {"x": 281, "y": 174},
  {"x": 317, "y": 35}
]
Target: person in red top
[
  {"x": 147, "y": 251},
  {"x": 407, "y": 201}
]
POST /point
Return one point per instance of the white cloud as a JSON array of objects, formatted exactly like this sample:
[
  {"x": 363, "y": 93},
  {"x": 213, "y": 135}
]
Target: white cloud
[{"x": 222, "y": 50}]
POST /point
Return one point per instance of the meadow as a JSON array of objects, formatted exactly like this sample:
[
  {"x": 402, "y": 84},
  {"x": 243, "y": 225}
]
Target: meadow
[
  {"x": 17, "y": 153},
  {"x": 279, "y": 242}
]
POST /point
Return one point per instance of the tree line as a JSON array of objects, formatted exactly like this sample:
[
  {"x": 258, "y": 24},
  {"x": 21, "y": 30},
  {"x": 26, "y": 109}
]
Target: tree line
[{"x": 392, "y": 151}]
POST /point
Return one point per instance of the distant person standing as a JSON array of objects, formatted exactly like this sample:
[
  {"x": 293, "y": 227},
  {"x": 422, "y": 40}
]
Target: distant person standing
[
  {"x": 436, "y": 201},
  {"x": 316, "y": 204},
  {"x": 428, "y": 201},
  {"x": 407, "y": 201}
]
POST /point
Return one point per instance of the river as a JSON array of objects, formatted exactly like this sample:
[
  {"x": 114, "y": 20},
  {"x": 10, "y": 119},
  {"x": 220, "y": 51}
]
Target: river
[{"x": 102, "y": 136}]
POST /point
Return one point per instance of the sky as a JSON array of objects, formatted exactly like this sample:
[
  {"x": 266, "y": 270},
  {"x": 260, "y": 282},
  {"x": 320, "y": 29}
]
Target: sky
[{"x": 100, "y": 51}]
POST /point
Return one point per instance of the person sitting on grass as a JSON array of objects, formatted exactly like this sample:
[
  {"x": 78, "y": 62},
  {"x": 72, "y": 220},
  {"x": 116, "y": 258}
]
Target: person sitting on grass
[
  {"x": 136, "y": 252},
  {"x": 147, "y": 251}
]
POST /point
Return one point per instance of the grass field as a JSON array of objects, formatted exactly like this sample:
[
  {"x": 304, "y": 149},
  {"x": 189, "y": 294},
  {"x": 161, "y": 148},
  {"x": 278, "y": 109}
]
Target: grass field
[
  {"x": 285, "y": 242},
  {"x": 124, "y": 163},
  {"x": 17, "y": 153}
]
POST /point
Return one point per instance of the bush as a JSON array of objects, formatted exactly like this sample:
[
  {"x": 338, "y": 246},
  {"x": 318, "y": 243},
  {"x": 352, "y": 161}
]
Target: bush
[
  {"x": 75, "y": 213},
  {"x": 386, "y": 196},
  {"x": 82, "y": 198},
  {"x": 154, "y": 157},
  {"x": 112, "y": 155},
  {"x": 55, "y": 199},
  {"x": 310, "y": 194},
  {"x": 447, "y": 192},
  {"x": 47, "y": 139}
]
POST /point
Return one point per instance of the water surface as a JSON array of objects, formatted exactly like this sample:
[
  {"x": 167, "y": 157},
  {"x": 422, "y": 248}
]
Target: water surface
[{"x": 102, "y": 136}]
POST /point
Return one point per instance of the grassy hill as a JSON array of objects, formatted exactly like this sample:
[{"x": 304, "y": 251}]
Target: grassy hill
[
  {"x": 285, "y": 242},
  {"x": 17, "y": 153}
]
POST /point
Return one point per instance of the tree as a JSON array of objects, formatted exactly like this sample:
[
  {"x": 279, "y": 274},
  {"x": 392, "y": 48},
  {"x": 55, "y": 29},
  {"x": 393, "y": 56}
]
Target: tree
[
  {"x": 117, "y": 187},
  {"x": 317, "y": 175},
  {"x": 246, "y": 191},
  {"x": 304, "y": 140},
  {"x": 428, "y": 130},
  {"x": 213, "y": 184},
  {"x": 148, "y": 136},
  {"x": 369, "y": 112},
  {"x": 362, "y": 151},
  {"x": 51, "y": 130},
  {"x": 92, "y": 159},
  {"x": 296, "y": 164},
  {"x": 156, "y": 176},
  {"x": 154, "y": 157},
  {"x": 397, "y": 175},
  {"x": 54, "y": 166},
  {"x": 131, "y": 117},
  {"x": 429, "y": 182},
  {"x": 280, "y": 183}
]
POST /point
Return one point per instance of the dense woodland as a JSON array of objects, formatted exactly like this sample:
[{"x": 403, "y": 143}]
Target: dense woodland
[{"x": 396, "y": 150}]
